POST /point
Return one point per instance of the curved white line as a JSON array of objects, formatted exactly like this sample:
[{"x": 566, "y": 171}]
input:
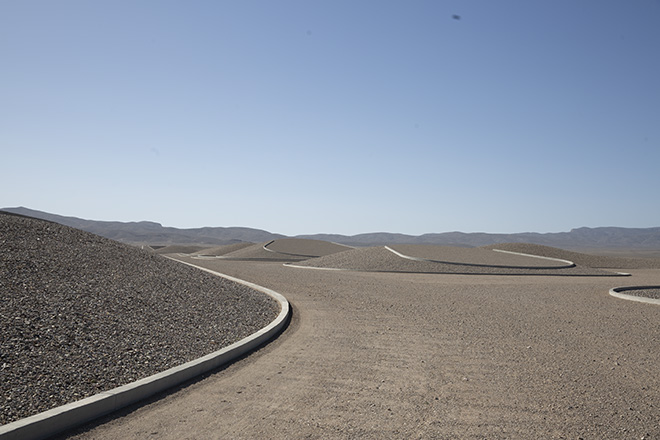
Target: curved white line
[
  {"x": 617, "y": 292},
  {"x": 61, "y": 418}
]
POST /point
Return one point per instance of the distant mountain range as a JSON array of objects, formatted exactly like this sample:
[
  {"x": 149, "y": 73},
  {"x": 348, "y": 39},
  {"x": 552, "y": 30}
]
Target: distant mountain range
[{"x": 151, "y": 233}]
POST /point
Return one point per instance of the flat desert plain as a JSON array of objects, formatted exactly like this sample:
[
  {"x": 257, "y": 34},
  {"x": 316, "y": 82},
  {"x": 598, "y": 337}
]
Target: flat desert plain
[{"x": 426, "y": 355}]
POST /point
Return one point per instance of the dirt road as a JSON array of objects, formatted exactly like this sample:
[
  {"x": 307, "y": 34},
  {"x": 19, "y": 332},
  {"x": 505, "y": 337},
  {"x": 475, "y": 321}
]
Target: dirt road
[{"x": 378, "y": 355}]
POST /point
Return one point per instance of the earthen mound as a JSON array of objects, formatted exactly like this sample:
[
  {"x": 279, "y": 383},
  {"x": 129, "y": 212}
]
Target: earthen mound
[
  {"x": 222, "y": 250},
  {"x": 302, "y": 247},
  {"x": 578, "y": 258}
]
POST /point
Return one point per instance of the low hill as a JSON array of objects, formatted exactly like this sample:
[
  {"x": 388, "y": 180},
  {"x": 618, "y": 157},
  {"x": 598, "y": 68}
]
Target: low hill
[{"x": 81, "y": 314}]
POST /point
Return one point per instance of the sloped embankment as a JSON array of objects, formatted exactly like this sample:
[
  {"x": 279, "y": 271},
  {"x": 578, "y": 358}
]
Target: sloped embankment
[
  {"x": 81, "y": 314},
  {"x": 579, "y": 258}
]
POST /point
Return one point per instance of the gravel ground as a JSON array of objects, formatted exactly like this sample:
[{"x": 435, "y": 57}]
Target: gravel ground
[
  {"x": 379, "y": 259},
  {"x": 580, "y": 258},
  {"x": 81, "y": 314}
]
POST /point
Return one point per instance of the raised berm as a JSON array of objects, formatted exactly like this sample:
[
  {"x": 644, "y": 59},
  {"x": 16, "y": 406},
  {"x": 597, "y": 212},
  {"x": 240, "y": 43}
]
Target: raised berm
[
  {"x": 478, "y": 257},
  {"x": 578, "y": 258},
  {"x": 453, "y": 260},
  {"x": 286, "y": 250},
  {"x": 301, "y": 247}
]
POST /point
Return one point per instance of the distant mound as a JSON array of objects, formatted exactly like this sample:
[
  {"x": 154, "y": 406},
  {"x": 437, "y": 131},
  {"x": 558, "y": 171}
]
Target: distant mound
[
  {"x": 285, "y": 250},
  {"x": 81, "y": 314},
  {"x": 258, "y": 252},
  {"x": 221, "y": 250},
  {"x": 302, "y": 247},
  {"x": 596, "y": 261},
  {"x": 381, "y": 259},
  {"x": 477, "y": 257}
]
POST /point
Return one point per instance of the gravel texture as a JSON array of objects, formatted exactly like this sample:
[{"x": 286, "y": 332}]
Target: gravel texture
[
  {"x": 653, "y": 293},
  {"x": 81, "y": 314},
  {"x": 379, "y": 259}
]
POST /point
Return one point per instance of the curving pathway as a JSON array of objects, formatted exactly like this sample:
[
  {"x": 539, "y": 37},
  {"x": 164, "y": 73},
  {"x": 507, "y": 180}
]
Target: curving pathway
[{"x": 394, "y": 355}]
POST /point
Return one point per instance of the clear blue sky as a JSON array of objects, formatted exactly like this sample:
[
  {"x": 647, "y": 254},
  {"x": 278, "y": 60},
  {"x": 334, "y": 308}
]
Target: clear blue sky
[{"x": 334, "y": 116}]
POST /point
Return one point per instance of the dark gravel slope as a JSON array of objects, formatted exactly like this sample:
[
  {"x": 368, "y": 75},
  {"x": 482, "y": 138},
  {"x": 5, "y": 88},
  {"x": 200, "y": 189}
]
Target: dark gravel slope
[{"x": 80, "y": 314}]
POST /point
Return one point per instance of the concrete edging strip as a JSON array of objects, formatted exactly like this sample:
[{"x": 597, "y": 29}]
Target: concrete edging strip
[
  {"x": 618, "y": 293},
  {"x": 68, "y": 416}
]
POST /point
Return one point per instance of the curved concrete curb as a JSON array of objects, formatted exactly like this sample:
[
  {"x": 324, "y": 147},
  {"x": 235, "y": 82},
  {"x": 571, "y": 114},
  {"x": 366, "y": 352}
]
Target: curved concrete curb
[
  {"x": 67, "y": 416},
  {"x": 617, "y": 292},
  {"x": 568, "y": 264}
]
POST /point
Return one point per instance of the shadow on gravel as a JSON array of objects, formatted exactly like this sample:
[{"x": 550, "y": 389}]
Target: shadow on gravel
[{"x": 291, "y": 325}]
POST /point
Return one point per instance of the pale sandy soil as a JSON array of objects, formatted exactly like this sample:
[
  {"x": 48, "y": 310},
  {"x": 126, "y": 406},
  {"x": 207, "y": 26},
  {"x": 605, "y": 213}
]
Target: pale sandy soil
[{"x": 400, "y": 355}]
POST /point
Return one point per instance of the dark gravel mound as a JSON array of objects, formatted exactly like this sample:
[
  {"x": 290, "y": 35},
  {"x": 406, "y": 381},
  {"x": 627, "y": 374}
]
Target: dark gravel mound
[
  {"x": 379, "y": 259},
  {"x": 579, "y": 258},
  {"x": 81, "y": 314},
  {"x": 646, "y": 293}
]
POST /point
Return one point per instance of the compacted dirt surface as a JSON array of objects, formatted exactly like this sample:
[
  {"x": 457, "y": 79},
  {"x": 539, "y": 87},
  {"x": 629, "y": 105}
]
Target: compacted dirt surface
[{"x": 413, "y": 355}]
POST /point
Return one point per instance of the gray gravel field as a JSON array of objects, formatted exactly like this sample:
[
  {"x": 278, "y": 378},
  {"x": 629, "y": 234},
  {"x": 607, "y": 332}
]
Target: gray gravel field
[{"x": 81, "y": 314}]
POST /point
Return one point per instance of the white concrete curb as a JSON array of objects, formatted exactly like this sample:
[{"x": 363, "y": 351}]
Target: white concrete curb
[
  {"x": 617, "y": 292},
  {"x": 67, "y": 416}
]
